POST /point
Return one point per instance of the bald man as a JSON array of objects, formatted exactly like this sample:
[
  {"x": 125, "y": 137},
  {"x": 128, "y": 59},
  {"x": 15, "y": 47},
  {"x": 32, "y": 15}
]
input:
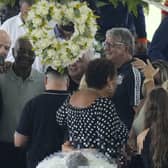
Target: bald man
[{"x": 5, "y": 43}]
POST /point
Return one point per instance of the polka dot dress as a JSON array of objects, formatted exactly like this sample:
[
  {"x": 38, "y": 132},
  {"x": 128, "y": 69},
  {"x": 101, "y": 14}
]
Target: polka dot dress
[{"x": 96, "y": 126}]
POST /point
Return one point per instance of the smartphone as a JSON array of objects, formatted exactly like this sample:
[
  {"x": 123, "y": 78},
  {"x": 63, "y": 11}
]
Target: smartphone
[{"x": 2, "y": 60}]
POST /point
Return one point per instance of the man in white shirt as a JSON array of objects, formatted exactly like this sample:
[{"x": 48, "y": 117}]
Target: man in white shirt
[{"x": 14, "y": 26}]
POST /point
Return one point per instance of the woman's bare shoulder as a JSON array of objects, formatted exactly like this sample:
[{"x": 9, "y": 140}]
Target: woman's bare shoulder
[{"x": 84, "y": 98}]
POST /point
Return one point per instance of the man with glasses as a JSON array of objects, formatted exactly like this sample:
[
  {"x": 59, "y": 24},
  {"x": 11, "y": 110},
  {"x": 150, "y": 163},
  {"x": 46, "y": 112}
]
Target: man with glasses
[
  {"x": 119, "y": 47},
  {"x": 17, "y": 86}
]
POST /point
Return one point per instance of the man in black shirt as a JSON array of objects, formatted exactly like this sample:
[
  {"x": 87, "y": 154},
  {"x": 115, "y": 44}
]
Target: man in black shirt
[
  {"x": 38, "y": 127},
  {"x": 119, "y": 47}
]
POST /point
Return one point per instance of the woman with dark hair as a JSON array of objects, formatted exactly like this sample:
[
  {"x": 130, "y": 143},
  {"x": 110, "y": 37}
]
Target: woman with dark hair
[
  {"x": 153, "y": 142},
  {"x": 90, "y": 113}
]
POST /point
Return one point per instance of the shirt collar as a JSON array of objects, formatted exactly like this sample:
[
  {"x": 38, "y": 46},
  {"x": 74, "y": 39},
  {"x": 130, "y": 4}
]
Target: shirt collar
[
  {"x": 19, "y": 20},
  {"x": 124, "y": 66},
  {"x": 57, "y": 91},
  {"x": 13, "y": 76}
]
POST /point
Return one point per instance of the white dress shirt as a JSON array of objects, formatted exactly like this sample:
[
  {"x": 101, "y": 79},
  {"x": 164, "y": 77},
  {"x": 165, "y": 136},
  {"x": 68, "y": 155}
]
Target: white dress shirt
[{"x": 14, "y": 26}]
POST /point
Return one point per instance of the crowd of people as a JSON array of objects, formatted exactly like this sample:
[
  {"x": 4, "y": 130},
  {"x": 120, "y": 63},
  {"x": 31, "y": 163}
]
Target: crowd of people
[{"x": 115, "y": 104}]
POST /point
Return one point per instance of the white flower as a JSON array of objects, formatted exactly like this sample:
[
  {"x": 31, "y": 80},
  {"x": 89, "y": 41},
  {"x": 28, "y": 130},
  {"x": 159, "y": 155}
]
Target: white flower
[
  {"x": 31, "y": 15},
  {"x": 41, "y": 21}
]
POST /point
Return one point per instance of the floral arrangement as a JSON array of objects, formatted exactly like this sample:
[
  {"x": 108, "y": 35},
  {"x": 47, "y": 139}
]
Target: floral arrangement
[
  {"x": 66, "y": 160},
  {"x": 57, "y": 52}
]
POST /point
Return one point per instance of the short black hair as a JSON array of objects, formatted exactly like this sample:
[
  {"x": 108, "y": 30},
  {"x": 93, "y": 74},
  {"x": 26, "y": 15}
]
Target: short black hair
[
  {"x": 55, "y": 72},
  {"x": 98, "y": 71}
]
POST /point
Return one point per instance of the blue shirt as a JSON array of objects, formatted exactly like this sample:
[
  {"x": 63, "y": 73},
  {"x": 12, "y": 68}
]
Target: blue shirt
[{"x": 159, "y": 46}]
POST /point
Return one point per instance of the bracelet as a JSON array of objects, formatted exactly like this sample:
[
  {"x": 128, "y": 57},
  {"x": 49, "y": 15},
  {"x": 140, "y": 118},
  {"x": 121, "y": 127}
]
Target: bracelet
[{"x": 148, "y": 80}]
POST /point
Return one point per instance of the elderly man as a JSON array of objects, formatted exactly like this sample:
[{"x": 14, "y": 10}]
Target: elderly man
[
  {"x": 4, "y": 48},
  {"x": 78, "y": 68},
  {"x": 17, "y": 86},
  {"x": 14, "y": 26},
  {"x": 4, "y": 43},
  {"x": 119, "y": 46}
]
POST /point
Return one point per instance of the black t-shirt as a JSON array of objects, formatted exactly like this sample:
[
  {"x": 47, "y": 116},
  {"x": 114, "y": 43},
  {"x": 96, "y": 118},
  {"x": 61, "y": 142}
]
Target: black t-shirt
[
  {"x": 128, "y": 92},
  {"x": 38, "y": 121}
]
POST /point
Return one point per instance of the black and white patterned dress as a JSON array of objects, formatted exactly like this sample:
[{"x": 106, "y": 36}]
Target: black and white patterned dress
[{"x": 96, "y": 126}]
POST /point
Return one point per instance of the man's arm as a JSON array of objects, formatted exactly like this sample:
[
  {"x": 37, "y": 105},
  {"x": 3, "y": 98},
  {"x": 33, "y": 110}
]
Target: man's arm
[
  {"x": 20, "y": 140},
  {"x": 24, "y": 128}
]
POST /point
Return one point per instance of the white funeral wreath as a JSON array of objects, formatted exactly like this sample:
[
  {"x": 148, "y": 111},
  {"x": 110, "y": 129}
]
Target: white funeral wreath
[{"x": 55, "y": 51}]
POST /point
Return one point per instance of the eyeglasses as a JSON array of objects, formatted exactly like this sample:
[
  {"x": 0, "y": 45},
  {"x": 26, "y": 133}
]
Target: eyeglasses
[{"x": 113, "y": 45}]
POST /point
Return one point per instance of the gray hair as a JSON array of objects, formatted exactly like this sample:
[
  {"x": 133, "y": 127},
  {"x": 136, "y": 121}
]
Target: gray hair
[{"x": 125, "y": 37}]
